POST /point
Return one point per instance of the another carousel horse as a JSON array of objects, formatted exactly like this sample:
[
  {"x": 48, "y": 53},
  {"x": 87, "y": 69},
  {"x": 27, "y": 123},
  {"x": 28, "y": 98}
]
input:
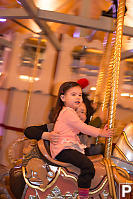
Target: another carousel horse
[
  {"x": 123, "y": 157},
  {"x": 123, "y": 152},
  {"x": 124, "y": 146}
]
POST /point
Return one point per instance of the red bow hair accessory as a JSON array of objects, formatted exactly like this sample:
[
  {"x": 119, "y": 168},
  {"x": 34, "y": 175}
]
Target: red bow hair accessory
[{"x": 83, "y": 82}]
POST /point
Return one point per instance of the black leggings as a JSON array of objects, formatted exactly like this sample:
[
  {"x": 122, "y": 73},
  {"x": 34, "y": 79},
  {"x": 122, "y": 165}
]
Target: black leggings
[{"x": 87, "y": 171}]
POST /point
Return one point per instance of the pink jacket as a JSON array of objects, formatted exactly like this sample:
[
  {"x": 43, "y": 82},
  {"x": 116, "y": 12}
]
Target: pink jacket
[{"x": 68, "y": 125}]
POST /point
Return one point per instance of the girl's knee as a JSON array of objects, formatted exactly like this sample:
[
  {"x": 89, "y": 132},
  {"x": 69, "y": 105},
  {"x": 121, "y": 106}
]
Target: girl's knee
[{"x": 90, "y": 170}]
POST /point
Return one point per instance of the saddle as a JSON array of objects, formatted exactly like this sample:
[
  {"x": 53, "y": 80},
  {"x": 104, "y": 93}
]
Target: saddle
[{"x": 42, "y": 170}]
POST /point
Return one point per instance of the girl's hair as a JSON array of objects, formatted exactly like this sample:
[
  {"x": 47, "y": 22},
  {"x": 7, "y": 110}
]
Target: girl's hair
[
  {"x": 90, "y": 110},
  {"x": 59, "y": 103}
]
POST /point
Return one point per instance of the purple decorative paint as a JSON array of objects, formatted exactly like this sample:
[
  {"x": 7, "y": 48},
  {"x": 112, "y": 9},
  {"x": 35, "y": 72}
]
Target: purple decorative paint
[{"x": 19, "y": 2}]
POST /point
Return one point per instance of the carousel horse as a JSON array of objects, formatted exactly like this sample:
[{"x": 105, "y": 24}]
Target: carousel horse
[
  {"x": 40, "y": 176},
  {"x": 62, "y": 176},
  {"x": 123, "y": 151},
  {"x": 124, "y": 147}
]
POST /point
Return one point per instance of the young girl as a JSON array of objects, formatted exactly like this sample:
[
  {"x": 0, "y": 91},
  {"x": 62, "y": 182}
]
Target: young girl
[{"x": 68, "y": 125}]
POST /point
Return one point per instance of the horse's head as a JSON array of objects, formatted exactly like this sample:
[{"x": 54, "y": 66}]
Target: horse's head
[
  {"x": 123, "y": 152},
  {"x": 129, "y": 133},
  {"x": 124, "y": 146}
]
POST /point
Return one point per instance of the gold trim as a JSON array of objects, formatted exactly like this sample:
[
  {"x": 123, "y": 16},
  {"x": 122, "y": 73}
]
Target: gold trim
[
  {"x": 41, "y": 189},
  {"x": 123, "y": 172},
  {"x": 127, "y": 141},
  {"x": 100, "y": 188},
  {"x": 66, "y": 175},
  {"x": 69, "y": 176},
  {"x": 91, "y": 192},
  {"x": 120, "y": 151},
  {"x": 109, "y": 176}
]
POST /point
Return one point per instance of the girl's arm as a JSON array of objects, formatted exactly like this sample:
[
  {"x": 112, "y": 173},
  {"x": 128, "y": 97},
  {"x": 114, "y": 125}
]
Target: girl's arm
[
  {"x": 51, "y": 136},
  {"x": 72, "y": 119},
  {"x": 41, "y": 132},
  {"x": 35, "y": 132}
]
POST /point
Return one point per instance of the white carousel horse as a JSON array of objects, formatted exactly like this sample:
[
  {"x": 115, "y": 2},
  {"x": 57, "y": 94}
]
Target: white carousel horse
[{"x": 123, "y": 152}]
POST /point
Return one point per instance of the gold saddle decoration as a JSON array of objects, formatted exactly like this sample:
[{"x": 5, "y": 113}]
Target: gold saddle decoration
[{"x": 38, "y": 171}]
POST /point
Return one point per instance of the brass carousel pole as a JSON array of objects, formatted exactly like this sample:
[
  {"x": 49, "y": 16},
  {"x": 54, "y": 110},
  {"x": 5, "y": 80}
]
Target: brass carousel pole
[
  {"x": 104, "y": 80},
  {"x": 114, "y": 90},
  {"x": 104, "y": 106},
  {"x": 103, "y": 77},
  {"x": 106, "y": 94},
  {"x": 26, "y": 109},
  {"x": 28, "y": 97},
  {"x": 102, "y": 73},
  {"x": 115, "y": 74}
]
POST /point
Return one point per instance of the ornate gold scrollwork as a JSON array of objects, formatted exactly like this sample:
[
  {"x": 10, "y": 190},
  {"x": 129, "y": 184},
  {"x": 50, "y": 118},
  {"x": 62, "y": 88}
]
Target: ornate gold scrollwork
[{"x": 56, "y": 194}]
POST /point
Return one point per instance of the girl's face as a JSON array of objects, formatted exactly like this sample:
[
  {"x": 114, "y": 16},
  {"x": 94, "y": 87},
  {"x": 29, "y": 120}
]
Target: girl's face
[
  {"x": 81, "y": 111},
  {"x": 73, "y": 97}
]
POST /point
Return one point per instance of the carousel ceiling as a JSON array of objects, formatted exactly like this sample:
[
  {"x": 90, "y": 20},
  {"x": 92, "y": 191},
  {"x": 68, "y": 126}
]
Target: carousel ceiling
[{"x": 65, "y": 16}]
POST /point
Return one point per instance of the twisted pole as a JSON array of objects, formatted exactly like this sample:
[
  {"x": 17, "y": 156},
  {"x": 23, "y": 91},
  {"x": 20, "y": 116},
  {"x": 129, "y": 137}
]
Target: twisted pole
[
  {"x": 115, "y": 74},
  {"x": 102, "y": 72},
  {"x": 106, "y": 93},
  {"x": 115, "y": 62},
  {"x": 28, "y": 97}
]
